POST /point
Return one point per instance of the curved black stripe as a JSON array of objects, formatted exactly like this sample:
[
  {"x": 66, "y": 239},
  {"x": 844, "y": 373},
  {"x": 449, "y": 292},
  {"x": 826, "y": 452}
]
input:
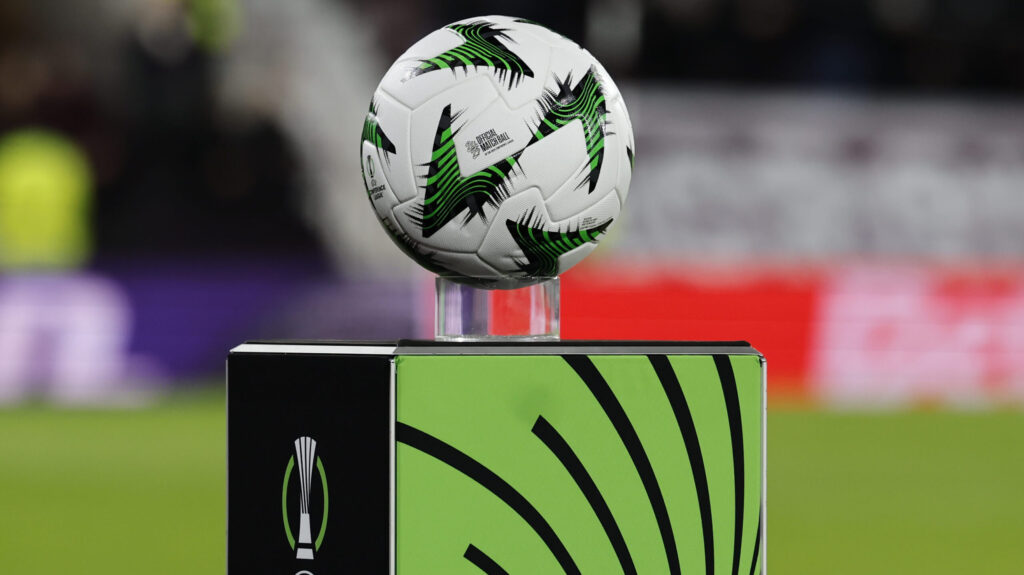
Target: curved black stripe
[
  {"x": 681, "y": 409},
  {"x": 757, "y": 546},
  {"x": 557, "y": 444},
  {"x": 476, "y": 471},
  {"x": 732, "y": 407},
  {"x": 482, "y": 561},
  {"x": 627, "y": 434}
]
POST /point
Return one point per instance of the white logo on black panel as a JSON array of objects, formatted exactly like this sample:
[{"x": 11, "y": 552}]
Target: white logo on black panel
[{"x": 305, "y": 461}]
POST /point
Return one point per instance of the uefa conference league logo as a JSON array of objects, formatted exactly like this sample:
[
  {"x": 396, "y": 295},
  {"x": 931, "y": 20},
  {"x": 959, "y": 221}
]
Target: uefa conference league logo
[{"x": 304, "y": 459}]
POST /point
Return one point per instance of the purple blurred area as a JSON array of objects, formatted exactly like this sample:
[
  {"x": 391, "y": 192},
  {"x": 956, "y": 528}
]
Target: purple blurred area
[
  {"x": 177, "y": 176},
  {"x": 141, "y": 325},
  {"x": 188, "y": 313}
]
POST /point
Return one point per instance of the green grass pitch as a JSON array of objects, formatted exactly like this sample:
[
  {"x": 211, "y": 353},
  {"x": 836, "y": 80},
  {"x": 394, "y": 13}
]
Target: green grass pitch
[{"x": 142, "y": 491}]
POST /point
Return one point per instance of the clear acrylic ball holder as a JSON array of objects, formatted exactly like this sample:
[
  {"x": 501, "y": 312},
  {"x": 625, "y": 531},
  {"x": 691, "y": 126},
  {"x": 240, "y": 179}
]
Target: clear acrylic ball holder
[{"x": 467, "y": 313}]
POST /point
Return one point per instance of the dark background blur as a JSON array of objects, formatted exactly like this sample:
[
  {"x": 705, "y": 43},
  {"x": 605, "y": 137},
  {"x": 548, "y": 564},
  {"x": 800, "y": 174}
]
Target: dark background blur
[{"x": 175, "y": 169}]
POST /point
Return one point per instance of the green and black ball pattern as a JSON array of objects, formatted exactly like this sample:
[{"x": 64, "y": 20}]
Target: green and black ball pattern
[
  {"x": 482, "y": 46},
  {"x": 447, "y": 194},
  {"x": 542, "y": 247},
  {"x": 373, "y": 133},
  {"x": 585, "y": 102}
]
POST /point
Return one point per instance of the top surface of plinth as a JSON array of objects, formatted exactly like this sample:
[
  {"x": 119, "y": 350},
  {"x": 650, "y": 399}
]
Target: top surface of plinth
[{"x": 511, "y": 347}]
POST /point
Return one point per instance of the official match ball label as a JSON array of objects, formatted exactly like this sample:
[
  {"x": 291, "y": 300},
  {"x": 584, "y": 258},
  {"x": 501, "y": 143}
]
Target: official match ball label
[{"x": 487, "y": 142}]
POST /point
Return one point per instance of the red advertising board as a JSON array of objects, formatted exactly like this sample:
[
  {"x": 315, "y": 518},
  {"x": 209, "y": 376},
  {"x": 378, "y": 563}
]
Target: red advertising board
[{"x": 850, "y": 334}]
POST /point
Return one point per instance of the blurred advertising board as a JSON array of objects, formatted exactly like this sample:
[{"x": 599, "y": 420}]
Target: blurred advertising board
[
  {"x": 124, "y": 327},
  {"x": 853, "y": 335}
]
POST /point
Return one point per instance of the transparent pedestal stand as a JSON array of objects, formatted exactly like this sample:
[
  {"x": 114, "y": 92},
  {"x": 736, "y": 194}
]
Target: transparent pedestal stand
[{"x": 466, "y": 313}]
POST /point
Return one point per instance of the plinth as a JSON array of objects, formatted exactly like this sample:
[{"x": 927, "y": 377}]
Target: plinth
[{"x": 417, "y": 457}]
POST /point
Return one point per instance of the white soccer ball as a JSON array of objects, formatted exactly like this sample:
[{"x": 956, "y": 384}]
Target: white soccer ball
[{"x": 497, "y": 152}]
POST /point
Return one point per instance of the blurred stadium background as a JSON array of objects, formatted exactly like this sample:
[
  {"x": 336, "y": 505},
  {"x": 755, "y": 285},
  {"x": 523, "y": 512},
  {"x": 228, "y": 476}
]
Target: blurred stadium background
[{"x": 840, "y": 182}]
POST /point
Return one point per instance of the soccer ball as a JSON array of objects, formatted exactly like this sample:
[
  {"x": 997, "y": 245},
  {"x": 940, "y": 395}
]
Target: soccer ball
[{"x": 497, "y": 152}]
